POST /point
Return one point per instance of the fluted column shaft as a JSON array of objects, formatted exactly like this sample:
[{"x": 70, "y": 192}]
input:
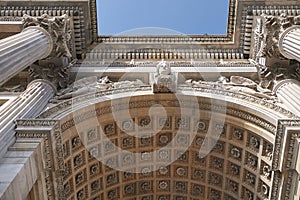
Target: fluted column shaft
[
  {"x": 28, "y": 104},
  {"x": 19, "y": 51},
  {"x": 288, "y": 92},
  {"x": 289, "y": 43}
]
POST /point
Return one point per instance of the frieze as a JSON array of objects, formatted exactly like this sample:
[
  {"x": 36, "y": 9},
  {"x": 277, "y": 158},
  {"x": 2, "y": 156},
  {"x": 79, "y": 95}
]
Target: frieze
[
  {"x": 196, "y": 88},
  {"x": 10, "y": 18},
  {"x": 35, "y": 123},
  {"x": 49, "y": 185},
  {"x": 242, "y": 96},
  {"x": 59, "y": 162},
  {"x": 31, "y": 134},
  {"x": 187, "y": 63}
]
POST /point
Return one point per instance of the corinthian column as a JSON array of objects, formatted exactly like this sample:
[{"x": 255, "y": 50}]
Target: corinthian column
[
  {"x": 28, "y": 104},
  {"x": 289, "y": 43},
  {"x": 43, "y": 36},
  {"x": 21, "y": 50},
  {"x": 288, "y": 92}
]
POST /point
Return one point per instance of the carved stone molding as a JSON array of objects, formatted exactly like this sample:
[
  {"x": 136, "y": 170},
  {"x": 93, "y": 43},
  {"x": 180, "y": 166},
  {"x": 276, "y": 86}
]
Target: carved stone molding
[
  {"x": 90, "y": 61},
  {"x": 52, "y": 152},
  {"x": 282, "y": 157}
]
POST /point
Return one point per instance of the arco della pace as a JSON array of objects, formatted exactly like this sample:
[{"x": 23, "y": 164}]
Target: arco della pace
[{"x": 148, "y": 117}]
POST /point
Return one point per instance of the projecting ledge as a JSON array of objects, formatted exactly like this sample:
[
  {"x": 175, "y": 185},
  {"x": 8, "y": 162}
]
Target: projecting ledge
[{"x": 174, "y": 69}]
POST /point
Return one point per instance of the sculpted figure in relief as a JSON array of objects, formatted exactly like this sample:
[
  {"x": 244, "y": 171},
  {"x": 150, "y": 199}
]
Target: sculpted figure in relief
[
  {"x": 236, "y": 84},
  {"x": 94, "y": 84},
  {"x": 164, "y": 80},
  {"x": 163, "y": 68},
  {"x": 245, "y": 85}
]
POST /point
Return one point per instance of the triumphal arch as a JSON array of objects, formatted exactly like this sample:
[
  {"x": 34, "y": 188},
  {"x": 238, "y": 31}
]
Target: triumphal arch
[{"x": 147, "y": 117}]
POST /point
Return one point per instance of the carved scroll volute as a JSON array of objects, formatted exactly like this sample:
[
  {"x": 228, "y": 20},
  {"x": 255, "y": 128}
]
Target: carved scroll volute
[
  {"x": 59, "y": 29},
  {"x": 272, "y": 29}
]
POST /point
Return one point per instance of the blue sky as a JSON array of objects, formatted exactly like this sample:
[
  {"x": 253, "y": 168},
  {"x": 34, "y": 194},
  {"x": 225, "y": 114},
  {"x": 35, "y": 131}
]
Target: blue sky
[{"x": 182, "y": 16}]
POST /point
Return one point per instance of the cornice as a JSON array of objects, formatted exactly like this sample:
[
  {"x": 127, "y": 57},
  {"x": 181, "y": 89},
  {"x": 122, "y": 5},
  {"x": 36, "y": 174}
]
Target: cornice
[
  {"x": 90, "y": 62},
  {"x": 180, "y": 39},
  {"x": 239, "y": 30},
  {"x": 175, "y": 53}
]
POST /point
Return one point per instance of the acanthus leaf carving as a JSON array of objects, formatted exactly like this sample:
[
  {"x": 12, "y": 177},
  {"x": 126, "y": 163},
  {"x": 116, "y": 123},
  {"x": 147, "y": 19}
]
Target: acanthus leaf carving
[
  {"x": 59, "y": 29},
  {"x": 54, "y": 69}
]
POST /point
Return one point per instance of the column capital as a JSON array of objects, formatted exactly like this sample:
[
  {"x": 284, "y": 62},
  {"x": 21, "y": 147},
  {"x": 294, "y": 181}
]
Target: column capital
[
  {"x": 273, "y": 29},
  {"x": 282, "y": 39},
  {"x": 59, "y": 29},
  {"x": 280, "y": 85},
  {"x": 46, "y": 82}
]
